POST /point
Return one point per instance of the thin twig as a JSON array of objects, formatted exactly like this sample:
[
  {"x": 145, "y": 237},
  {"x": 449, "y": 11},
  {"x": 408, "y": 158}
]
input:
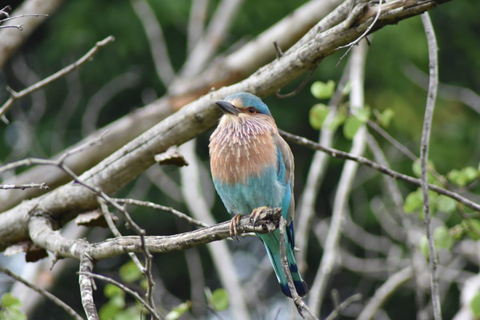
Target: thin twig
[
  {"x": 156, "y": 40},
  {"x": 356, "y": 41},
  {"x": 111, "y": 225},
  {"x": 384, "y": 292},
  {"x": 152, "y": 205},
  {"x": 44, "y": 293},
  {"x": 42, "y": 186},
  {"x": 299, "y": 303},
  {"x": 335, "y": 312},
  {"x": 299, "y": 88},
  {"x": 14, "y": 96},
  {"x": 124, "y": 288},
  {"x": 374, "y": 165},
  {"x": 36, "y": 15},
  {"x": 427, "y": 123}
]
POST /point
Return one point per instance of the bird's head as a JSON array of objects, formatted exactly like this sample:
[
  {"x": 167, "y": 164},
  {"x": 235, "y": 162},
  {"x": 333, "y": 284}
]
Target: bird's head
[{"x": 243, "y": 105}]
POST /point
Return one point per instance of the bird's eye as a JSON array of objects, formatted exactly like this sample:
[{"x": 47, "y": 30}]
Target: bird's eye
[{"x": 252, "y": 110}]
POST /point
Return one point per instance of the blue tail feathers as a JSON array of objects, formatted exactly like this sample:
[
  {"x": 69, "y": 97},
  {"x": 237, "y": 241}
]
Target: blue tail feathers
[{"x": 272, "y": 244}]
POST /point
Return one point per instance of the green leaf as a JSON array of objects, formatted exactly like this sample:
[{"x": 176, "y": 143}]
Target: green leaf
[
  {"x": 348, "y": 87},
  {"x": 442, "y": 238},
  {"x": 108, "y": 311},
  {"x": 464, "y": 176},
  {"x": 475, "y": 304},
  {"x": 446, "y": 204},
  {"x": 337, "y": 120},
  {"x": 9, "y": 301},
  {"x": 470, "y": 173},
  {"x": 220, "y": 299},
  {"x": 12, "y": 314},
  {"x": 129, "y": 272},
  {"x": 318, "y": 114},
  {"x": 363, "y": 114},
  {"x": 178, "y": 311},
  {"x": 111, "y": 290},
  {"x": 472, "y": 228},
  {"x": 386, "y": 117},
  {"x": 413, "y": 202},
  {"x": 322, "y": 90},
  {"x": 351, "y": 127},
  {"x": 133, "y": 312}
]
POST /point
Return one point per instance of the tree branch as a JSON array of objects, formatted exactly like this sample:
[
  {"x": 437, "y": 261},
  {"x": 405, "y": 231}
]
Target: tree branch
[
  {"x": 14, "y": 96},
  {"x": 44, "y": 293},
  {"x": 330, "y": 257},
  {"x": 11, "y": 40},
  {"x": 427, "y": 124},
  {"x": 385, "y": 170},
  {"x": 384, "y": 292}
]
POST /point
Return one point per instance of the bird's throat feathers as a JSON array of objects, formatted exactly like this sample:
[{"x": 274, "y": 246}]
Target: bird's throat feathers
[{"x": 242, "y": 147}]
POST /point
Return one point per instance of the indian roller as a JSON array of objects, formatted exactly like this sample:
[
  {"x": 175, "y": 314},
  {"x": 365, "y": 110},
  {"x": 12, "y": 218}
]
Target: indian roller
[{"x": 252, "y": 167}]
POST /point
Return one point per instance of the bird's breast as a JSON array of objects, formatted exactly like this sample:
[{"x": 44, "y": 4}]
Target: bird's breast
[{"x": 238, "y": 154}]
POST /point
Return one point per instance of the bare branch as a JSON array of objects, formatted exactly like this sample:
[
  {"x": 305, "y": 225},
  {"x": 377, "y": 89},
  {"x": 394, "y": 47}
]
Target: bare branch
[
  {"x": 42, "y": 186},
  {"x": 385, "y": 170},
  {"x": 43, "y": 235},
  {"x": 14, "y": 96},
  {"x": 44, "y": 293},
  {"x": 384, "y": 292},
  {"x": 427, "y": 123},
  {"x": 343, "y": 305},
  {"x": 299, "y": 303},
  {"x": 124, "y": 288},
  {"x": 11, "y": 40},
  {"x": 329, "y": 258},
  {"x": 86, "y": 290},
  {"x": 152, "y": 205},
  {"x": 364, "y": 34},
  {"x": 156, "y": 40}
]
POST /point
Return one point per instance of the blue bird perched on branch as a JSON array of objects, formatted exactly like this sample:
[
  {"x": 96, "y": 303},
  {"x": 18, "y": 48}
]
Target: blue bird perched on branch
[{"x": 252, "y": 167}]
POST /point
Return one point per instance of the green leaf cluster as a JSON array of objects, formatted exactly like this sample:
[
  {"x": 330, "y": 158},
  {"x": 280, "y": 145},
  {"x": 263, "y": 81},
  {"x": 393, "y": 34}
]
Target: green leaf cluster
[{"x": 11, "y": 308}]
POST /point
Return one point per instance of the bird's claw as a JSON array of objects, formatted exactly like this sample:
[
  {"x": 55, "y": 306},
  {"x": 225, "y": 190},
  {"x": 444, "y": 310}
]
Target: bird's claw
[
  {"x": 234, "y": 223},
  {"x": 257, "y": 214}
]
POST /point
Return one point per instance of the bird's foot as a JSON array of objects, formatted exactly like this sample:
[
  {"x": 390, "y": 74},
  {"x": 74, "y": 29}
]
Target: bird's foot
[
  {"x": 258, "y": 214},
  {"x": 234, "y": 223}
]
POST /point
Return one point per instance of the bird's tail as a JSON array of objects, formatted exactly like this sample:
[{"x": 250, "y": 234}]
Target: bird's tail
[{"x": 272, "y": 244}]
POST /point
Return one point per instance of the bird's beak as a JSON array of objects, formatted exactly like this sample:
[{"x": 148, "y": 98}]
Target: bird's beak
[{"x": 227, "y": 107}]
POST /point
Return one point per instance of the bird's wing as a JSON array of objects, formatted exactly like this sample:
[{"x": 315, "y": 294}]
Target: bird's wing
[{"x": 287, "y": 157}]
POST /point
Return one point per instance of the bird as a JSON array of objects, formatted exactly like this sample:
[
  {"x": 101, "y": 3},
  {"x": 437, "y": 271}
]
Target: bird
[{"x": 253, "y": 167}]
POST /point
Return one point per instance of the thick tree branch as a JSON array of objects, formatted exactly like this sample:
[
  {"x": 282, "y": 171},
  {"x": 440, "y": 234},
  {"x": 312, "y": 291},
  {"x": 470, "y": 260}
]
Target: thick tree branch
[{"x": 43, "y": 235}]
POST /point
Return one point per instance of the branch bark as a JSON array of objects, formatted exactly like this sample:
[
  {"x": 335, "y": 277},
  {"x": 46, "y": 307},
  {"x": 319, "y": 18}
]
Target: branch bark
[{"x": 424, "y": 147}]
